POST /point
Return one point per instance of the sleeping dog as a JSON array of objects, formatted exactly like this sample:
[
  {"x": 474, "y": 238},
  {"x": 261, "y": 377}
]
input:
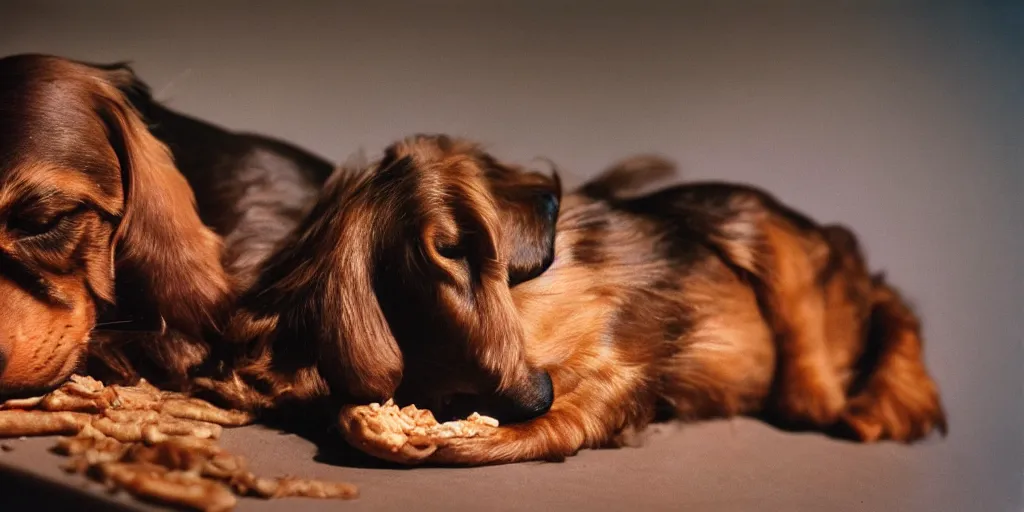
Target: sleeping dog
[
  {"x": 103, "y": 250},
  {"x": 446, "y": 278}
]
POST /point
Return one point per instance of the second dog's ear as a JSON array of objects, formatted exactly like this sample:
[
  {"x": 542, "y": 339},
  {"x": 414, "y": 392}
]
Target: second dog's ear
[
  {"x": 314, "y": 300},
  {"x": 528, "y": 204}
]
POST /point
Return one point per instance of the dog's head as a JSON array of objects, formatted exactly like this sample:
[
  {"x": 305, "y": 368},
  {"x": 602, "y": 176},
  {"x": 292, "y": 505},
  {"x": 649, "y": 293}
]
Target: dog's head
[
  {"x": 399, "y": 282},
  {"x": 84, "y": 190},
  {"x": 466, "y": 230}
]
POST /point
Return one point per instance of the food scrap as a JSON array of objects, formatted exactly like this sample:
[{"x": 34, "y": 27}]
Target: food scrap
[{"x": 405, "y": 435}]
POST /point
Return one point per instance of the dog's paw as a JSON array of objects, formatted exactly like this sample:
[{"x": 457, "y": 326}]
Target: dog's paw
[
  {"x": 871, "y": 417},
  {"x": 809, "y": 400},
  {"x": 408, "y": 435}
]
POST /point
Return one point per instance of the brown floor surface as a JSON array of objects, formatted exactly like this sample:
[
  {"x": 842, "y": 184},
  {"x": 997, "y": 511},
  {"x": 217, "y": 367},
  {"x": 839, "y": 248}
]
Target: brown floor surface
[{"x": 740, "y": 464}]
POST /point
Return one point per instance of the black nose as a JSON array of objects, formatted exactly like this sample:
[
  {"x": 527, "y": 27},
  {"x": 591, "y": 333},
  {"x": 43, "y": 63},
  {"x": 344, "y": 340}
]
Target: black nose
[
  {"x": 532, "y": 401},
  {"x": 543, "y": 395},
  {"x": 523, "y": 404}
]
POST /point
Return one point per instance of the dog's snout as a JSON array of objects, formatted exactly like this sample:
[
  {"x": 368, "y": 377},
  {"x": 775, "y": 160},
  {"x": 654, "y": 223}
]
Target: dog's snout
[
  {"x": 543, "y": 394},
  {"x": 524, "y": 403},
  {"x": 531, "y": 401},
  {"x": 3, "y": 362}
]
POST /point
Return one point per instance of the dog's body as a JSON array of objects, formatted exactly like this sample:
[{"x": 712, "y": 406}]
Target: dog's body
[
  {"x": 713, "y": 300},
  {"x": 710, "y": 299},
  {"x": 250, "y": 189},
  {"x": 103, "y": 246}
]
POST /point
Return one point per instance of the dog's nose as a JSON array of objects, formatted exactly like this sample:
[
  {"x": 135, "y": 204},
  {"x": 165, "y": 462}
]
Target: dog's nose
[
  {"x": 525, "y": 403},
  {"x": 531, "y": 401}
]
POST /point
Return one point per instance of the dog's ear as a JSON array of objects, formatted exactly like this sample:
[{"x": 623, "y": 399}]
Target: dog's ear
[
  {"x": 314, "y": 304},
  {"x": 527, "y": 205},
  {"x": 509, "y": 247},
  {"x": 161, "y": 244}
]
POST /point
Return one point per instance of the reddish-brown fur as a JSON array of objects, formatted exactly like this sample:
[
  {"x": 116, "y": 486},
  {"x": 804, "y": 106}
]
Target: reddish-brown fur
[
  {"x": 101, "y": 244},
  {"x": 87, "y": 192},
  {"x": 430, "y": 277}
]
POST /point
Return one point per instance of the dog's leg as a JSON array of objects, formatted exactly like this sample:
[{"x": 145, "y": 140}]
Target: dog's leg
[
  {"x": 783, "y": 260},
  {"x": 896, "y": 398},
  {"x": 589, "y": 416},
  {"x": 808, "y": 390}
]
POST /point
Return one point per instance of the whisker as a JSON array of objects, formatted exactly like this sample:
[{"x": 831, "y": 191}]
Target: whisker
[{"x": 114, "y": 322}]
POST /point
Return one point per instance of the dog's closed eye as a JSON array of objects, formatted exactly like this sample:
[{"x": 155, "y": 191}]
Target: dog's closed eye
[
  {"x": 457, "y": 250},
  {"x": 28, "y": 226},
  {"x": 39, "y": 218},
  {"x": 54, "y": 231}
]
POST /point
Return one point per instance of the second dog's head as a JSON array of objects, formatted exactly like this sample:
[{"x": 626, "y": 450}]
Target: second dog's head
[
  {"x": 453, "y": 230},
  {"x": 399, "y": 283}
]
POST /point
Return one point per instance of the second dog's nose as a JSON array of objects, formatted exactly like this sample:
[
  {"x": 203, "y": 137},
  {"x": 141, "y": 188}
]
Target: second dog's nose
[{"x": 531, "y": 401}]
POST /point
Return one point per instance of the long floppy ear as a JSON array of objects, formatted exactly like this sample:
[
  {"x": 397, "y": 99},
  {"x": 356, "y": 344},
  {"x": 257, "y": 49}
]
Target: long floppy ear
[
  {"x": 355, "y": 347},
  {"x": 314, "y": 305},
  {"x": 497, "y": 338},
  {"x": 161, "y": 244}
]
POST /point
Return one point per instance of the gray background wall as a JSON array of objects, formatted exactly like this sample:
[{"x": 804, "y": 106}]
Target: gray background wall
[{"x": 903, "y": 122}]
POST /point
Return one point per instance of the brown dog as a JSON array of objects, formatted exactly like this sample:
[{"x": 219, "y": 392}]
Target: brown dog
[
  {"x": 99, "y": 230},
  {"x": 446, "y": 278}
]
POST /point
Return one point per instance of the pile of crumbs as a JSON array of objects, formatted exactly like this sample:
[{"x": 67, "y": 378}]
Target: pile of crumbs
[
  {"x": 153, "y": 444},
  {"x": 405, "y": 435}
]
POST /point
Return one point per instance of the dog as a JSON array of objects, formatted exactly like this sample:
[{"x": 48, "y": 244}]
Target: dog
[
  {"x": 105, "y": 259},
  {"x": 445, "y": 278},
  {"x": 309, "y": 327}
]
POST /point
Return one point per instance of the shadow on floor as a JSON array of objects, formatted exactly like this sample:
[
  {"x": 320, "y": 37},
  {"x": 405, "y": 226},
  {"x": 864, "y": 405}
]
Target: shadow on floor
[{"x": 316, "y": 425}]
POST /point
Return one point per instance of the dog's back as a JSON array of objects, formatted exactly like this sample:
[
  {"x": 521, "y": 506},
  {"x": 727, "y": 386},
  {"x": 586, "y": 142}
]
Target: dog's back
[
  {"x": 251, "y": 189},
  {"x": 723, "y": 262}
]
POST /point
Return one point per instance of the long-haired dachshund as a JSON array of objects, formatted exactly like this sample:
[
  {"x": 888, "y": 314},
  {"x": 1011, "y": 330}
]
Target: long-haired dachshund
[
  {"x": 99, "y": 229},
  {"x": 445, "y": 278}
]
